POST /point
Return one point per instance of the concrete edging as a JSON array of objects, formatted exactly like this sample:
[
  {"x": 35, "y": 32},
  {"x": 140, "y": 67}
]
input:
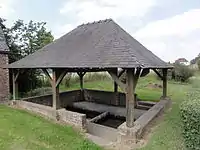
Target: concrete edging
[{"x": 142, "y": 122}]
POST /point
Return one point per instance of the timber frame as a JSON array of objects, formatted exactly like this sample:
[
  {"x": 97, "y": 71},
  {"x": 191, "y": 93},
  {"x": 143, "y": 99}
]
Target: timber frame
[{"x": 132, "y": 77}]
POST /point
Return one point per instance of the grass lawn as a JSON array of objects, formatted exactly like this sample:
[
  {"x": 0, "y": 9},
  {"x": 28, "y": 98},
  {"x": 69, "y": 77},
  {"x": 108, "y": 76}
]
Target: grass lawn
[{"x": 20, "y": 130}]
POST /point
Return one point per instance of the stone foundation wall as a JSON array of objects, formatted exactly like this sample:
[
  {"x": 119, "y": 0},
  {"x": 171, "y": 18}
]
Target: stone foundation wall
[
  {"x": 4, "y": 78},
  {"x": 46, "y": 111},
  {"x": 73, "y": 118},
  {"x": 69, "y": 117},
  {"x": 104, "y": 97},
  {"x": 66, "y": 98}
]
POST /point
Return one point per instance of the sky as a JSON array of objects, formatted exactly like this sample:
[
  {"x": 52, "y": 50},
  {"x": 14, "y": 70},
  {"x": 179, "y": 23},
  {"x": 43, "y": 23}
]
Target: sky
[{"x": 169, "y": 28}]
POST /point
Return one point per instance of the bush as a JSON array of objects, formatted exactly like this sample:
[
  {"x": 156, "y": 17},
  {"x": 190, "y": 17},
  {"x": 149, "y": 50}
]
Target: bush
[
  {"x": 181, "y": 73},
  {"x": 190, "y": 117},
  {"x": 39, "y": 92}
]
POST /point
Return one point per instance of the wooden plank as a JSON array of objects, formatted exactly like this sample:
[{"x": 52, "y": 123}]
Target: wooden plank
[
  {"x": 117, "y": 80},
  {"x": 164, "y": 83},
  {"x": 130, "y": 98}
]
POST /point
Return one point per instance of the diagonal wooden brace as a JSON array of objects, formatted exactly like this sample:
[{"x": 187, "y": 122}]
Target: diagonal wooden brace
[{"x": 118, "y": 81}]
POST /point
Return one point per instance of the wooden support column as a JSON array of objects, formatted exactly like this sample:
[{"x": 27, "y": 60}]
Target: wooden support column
[
  {"x": 115, "y": 84},
  {"x": 55, "y": 80},
  {"x": 130, "y": 98},
  {"x": 164, "y": 83},
  {"x": 55, "y": 90},
  {"x": 81, "y": 75},
  {"x": 15, "y": 84}
]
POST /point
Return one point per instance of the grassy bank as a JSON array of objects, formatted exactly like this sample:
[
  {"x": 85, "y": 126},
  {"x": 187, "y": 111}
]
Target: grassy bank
[{"x": 20, "y": 130}]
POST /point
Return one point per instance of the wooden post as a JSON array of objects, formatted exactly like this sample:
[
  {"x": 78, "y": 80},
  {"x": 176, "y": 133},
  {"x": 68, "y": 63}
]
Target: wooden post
[
  {"x": 81, "y": 75},
  {"x": 164, "y": 83},
  {"x": 55, "y": 90},
  {"x": 81, "y": 82},
  {"x": 15, "y": 84},
  {"x": 130, "y": 98},
  {"x": 115, "y": 84}
]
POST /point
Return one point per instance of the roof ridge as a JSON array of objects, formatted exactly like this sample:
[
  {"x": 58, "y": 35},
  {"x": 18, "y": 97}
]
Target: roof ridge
[{"x": 96, "y": 22}]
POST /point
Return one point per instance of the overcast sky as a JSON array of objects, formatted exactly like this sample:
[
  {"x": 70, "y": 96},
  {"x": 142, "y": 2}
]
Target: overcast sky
[{"x": 169, "y": 28}]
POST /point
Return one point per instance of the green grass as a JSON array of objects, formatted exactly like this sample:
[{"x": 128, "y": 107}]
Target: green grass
[{"x": 20, "y": 130}]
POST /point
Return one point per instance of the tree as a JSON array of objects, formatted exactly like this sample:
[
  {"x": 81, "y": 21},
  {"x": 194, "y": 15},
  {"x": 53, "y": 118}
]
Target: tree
[{"x": 24, "y": 39}]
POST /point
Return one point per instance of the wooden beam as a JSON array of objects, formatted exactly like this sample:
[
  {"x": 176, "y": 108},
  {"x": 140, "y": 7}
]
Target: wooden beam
[
  {"x": 121, "y": 72},
  {"x": 17, "y": 75},
  {"x": 164, "y": 83},
  {"x": 101, "y": 116},
  {"x": 60, "y": 77},
  {"x": 55, "y": 89},
  {"x": 48, "y": 75},
  {"x": 117, "y": 80},
  {"x": 130, "y": 98},
  {"x": 158, "y": 73},
  {"x": 15, "y": 85},
  {"x": 115, "y": 84},
  {"x": 136, "y": 77},
  {"x": 81, "y": 75}
]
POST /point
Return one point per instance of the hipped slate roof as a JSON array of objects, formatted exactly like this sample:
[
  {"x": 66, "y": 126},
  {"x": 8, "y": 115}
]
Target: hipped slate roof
[
  {"x": 102, "y": 44},
  {"x": 3, "y": 45}
]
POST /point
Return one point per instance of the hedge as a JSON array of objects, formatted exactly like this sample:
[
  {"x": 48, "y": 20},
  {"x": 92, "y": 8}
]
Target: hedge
[{"x": 190, "y": 117}]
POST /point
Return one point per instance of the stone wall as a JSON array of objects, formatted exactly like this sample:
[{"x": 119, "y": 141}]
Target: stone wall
[
  {"x": 104, "y": 132},
  {"x": 4, "y": 78},
  {"x": 105, "y": 97},
  {"x": 69, "y": 117},
  {"x": 73, "y": 118},
  {"x": 66, "y": 98},
  {"x": 46, "y": 111}
]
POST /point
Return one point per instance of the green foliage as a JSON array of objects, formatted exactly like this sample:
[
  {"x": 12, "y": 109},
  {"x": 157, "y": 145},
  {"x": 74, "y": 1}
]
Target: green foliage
[
  {"x": 24, "y": 39},
  {"x": 198, "y": 63},
  {"x": 190, "y": 116},
  {"x": 71, "y": 79},
  {"x": 39, "y": 92},
  {"x": 181, "y": 73}
]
